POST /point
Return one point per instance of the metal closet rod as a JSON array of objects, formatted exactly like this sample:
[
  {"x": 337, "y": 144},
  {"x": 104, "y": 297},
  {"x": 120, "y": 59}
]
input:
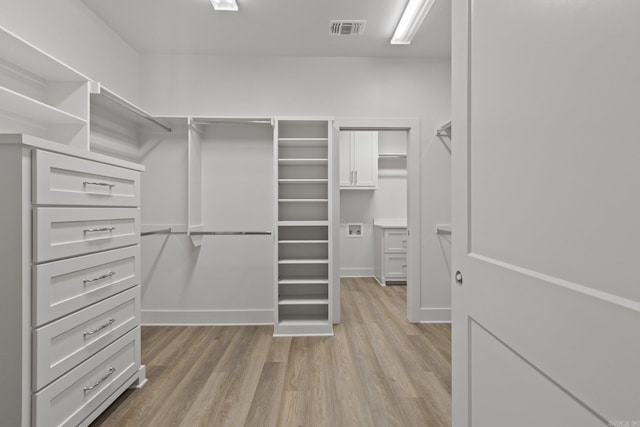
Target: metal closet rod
[
  {"x": 113, "y": 97},
  {"x": 207, "y": 233}
]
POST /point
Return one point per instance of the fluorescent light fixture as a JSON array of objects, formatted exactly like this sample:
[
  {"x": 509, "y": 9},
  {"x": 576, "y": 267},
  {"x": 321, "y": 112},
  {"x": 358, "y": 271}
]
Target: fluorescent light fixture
[
  {"x": 225, "y": 5},
  {"x": 412, "y": 18}
]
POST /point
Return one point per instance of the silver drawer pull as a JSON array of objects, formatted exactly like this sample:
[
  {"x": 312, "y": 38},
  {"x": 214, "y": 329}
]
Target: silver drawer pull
[
  {"x": 101, "y": 380},
  {"x": 94, "y": 230},
  {"x": 100, "y": 184},
  {"x": 95, "y": 279},
  {"x": 99, "y": 328}
]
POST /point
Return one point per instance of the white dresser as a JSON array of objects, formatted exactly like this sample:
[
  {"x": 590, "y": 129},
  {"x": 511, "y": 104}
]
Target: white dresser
[
  {"x": 70, "y": 291},
  {"x": 390, "y": 240}
]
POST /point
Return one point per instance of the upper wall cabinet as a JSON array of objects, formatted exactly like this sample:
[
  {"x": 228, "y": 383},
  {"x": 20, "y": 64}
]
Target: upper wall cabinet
[
  {"x": 41, "y": 96},
  {"x": 358, "y": 160}
]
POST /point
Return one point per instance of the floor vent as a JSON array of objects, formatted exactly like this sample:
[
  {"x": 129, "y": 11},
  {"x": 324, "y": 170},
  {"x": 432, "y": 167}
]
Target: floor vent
[{"x": 346, "y": 28}]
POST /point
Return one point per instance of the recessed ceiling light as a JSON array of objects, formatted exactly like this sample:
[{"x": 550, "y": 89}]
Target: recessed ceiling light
[
  {"x": 225, "y": 5},
  {"x": 412, "y": 18}
]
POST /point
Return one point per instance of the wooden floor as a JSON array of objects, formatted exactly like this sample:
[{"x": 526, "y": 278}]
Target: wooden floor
[{"x": 378, "y": 370}]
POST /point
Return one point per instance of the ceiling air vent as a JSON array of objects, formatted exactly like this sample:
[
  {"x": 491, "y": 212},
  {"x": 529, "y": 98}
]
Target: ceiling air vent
[{"x": 346, "y": 28}]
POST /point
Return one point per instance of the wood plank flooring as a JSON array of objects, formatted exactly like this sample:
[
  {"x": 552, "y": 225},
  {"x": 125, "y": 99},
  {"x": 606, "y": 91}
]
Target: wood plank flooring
[{"x": 378, "y": 370}]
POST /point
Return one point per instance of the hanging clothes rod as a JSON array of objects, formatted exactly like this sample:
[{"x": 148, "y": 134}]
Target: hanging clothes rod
[
  {"x": 231, "y": 233},
  {"x": 115, "y": 98},
  {"x": 163, "y": 231},
  {"x": 444, "y": 130}
]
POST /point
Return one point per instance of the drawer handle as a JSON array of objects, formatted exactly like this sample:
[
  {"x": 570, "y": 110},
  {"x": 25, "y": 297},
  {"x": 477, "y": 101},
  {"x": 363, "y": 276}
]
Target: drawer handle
[
  {"x": 100, "y": 184},
  {"x": 94, "y": 230},
  {"x": 95, "y": 279},
  {"x": 101, "y": 380},
  {"x": 99, "y": 328}
]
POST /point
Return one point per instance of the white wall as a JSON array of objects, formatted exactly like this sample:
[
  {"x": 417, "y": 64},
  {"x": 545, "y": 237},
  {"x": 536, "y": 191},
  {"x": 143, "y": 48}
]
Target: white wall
[
  {"x": 204, "y": 85},
  {"x": 389, "y": 200},
  {"x": 71, "y": 32}
]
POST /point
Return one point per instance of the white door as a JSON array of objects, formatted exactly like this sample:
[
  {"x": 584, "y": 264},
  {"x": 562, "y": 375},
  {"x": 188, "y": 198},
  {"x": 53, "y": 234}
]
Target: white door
[
  {"x": 365, "y": 158},
  {"x": 546, "y": 213},
  {"x": 346, "y": 164}
]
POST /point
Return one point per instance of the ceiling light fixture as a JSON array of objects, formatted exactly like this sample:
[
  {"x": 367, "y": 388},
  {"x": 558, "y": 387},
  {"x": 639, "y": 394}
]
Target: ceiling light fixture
[
  {"x": 225, "y": 5},
  {"x": 412, "y": 18}
]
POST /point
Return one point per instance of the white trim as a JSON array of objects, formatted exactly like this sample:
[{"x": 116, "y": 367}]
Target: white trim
[
  {"x": 412, "y": 126},
  {"x": 207, "y": 317},
  {"x": 356, "y": 272},
  {"x": 435, "y": 315}
]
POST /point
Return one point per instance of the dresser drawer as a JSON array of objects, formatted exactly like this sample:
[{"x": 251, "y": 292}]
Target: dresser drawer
[
  {"x": 395, "y": 266},
  {"x": 65, "y": 232},
  {"x": 395, "y": 241},
  {"x": 64, "y": 180},
  {"x": 62, "y": 287},
  {"x": 73, "y": 397},
  {"x": 65, "y": 343}
]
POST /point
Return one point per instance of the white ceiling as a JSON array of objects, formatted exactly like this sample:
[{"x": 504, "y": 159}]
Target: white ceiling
[{"x": 271, "y": 27}]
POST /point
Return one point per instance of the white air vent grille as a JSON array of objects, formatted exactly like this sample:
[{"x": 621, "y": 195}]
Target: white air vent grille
[{"x": 346, "y": 28}]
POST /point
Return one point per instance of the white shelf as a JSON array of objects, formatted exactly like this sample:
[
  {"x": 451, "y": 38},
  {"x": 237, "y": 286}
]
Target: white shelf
[
  {"x": 443, "y": 228},
  {"x": 392, "y": 155},
  {"x": 303, "y": 241},
  {"x": 306, "y": 320},
  {"x": 303, "y": 142},
  {"x": 303, "y": 181},
  {"x": 302, "y": 223},
  {"x": 16, "y": 51},
  {"x": 300, "y": 261},
  {"x": 303, "y": 162},
  {"x": 303, "y": 300},
  {"x": 16, "y": 104},
  {"x": 303, "y": 200},
  {"x": 304, "y": 281}
]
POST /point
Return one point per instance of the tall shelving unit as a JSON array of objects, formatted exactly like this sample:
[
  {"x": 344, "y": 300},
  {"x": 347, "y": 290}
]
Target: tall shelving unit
[{"x": 304, "y": 204}]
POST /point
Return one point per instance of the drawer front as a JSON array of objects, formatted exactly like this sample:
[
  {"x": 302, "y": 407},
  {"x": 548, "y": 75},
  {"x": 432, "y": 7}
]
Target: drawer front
[
  {"x": 395, "y": 266},
  {"x": 73, "y": 397},
  {"x": 65, "y": 343},
  {"x": 64, "y": 180},
  {"x": 395, "y": 241},
  {"x": 62, "y": 287},
  {"x": 66, "y": 232}
]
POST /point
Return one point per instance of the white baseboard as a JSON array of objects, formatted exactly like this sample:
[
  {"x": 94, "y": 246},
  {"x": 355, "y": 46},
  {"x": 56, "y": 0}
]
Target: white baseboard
[
  {"x": 356, "y": 272},
  {"x": 435, "y": 315},
  {"x": 207, "y": 317}
]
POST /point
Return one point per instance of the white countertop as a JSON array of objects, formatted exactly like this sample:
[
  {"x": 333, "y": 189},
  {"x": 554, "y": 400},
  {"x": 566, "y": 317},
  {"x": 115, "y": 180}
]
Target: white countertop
[{"x": 390, "y": 222}]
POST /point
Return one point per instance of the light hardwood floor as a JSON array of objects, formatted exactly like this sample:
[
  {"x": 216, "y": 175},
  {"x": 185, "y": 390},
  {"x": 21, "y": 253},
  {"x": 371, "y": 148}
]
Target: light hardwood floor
[{"x": 378, "y": 370}]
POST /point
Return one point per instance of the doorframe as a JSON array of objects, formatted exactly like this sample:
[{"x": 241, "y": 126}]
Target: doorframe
[{"x": 412, "y": 127}]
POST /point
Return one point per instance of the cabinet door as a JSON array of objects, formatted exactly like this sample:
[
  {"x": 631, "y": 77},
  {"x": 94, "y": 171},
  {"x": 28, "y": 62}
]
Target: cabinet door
[
  {"x": 365, "y": 158},
  {"x": 346, "y": 163}
]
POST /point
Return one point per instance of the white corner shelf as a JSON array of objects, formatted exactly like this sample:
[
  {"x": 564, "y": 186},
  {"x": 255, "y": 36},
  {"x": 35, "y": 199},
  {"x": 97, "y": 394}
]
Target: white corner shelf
[
  {"x": 303, "y": 162},
  {"x": 294, "y": 242},
  {"x": 305, "y": 280},
  {"x": 304, "y": 300},
  {"x": 302, "y": 223},
  {"x": 35, "y": 111},
  {"x": 303, "y": 200},
  {"x": 303, "y": 261}
]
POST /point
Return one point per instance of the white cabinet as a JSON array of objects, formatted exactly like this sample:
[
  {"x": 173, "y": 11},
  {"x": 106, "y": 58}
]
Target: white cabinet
[
  {"x": 70, "y": 300},
  {"x": 358, "y": 160},
  {"x": 390, "y": 251}
]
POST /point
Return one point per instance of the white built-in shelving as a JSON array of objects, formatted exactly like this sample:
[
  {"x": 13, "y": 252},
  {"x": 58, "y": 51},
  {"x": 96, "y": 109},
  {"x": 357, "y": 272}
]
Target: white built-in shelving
[
  {"x": 40, "y": 95},
  {"x": 303, "y": 277}
]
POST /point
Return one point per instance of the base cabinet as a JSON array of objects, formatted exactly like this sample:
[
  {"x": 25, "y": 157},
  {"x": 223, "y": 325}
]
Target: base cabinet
[
  {"x": 390, "y": 252},
  {"x": 70, "y": 308}
]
